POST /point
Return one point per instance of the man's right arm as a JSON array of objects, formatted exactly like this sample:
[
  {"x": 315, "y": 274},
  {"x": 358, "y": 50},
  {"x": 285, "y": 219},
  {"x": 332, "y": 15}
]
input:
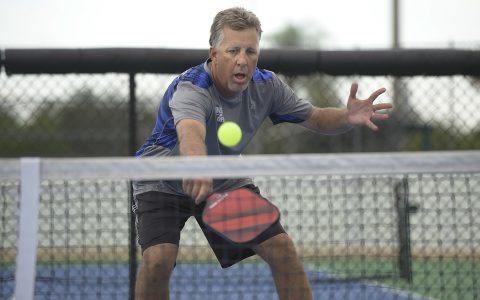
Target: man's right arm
[{"x": 191, "y": 137}]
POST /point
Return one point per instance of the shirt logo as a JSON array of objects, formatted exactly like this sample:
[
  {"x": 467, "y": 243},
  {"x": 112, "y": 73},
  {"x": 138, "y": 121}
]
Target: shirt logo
[{"x": 219, "y": 114}]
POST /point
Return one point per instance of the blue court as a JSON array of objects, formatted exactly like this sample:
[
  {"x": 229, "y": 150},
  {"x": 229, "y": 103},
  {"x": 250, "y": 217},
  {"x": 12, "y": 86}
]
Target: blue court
[
  {"x": 251, "y": 281},
  {"x": 195, "y": 282}
]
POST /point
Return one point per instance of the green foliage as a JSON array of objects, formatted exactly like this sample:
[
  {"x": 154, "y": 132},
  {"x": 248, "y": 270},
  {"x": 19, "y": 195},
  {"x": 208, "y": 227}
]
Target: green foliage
[
  {"x": 295, "y": 36},
  {"x": 318, "y": 89},
  {"x": 10, "y": 127},
  {"x": 86, "y": 124},
  {"x": 438, "y": 137}
]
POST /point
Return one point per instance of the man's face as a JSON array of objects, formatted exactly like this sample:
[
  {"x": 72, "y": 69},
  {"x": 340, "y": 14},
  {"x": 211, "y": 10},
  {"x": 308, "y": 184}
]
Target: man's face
[{"x": 234, "y": 60}]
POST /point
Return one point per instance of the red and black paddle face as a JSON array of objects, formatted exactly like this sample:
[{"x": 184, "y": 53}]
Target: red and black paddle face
[{"x": 239, "y": 215}]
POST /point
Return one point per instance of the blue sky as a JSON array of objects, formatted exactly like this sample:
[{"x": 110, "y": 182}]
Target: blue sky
[{"x": 340, "y": 24}]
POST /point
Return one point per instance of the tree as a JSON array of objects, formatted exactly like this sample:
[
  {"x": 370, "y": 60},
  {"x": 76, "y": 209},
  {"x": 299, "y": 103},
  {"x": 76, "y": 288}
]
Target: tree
[
  {"x": 317, "y": 88},
  {"x": 10, "y": 127},
  {"x": 84, "y": 125}
]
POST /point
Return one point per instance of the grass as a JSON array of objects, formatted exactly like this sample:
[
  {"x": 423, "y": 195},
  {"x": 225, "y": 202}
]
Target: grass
[{"x": 435, "y": 278}]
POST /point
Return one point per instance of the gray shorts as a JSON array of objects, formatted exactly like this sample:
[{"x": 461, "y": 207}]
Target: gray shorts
[{"x": 160, "y": 217}]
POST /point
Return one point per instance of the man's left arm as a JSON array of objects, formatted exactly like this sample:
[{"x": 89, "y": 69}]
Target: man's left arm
[{"x": 358, "y": 112}]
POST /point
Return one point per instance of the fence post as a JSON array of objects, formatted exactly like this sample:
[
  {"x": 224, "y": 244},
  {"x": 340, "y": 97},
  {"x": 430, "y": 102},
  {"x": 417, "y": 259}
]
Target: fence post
[
  {"x": 132, "y": 251},
  {"x": 132, "y": 115}
]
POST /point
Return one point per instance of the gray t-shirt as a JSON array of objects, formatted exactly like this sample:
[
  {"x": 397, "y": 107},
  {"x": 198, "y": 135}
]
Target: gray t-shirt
[{"x": 192, "y": 95}]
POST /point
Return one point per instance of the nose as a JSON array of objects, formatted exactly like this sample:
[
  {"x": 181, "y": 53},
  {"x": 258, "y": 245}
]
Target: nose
[{"x": 241, "y": 58}]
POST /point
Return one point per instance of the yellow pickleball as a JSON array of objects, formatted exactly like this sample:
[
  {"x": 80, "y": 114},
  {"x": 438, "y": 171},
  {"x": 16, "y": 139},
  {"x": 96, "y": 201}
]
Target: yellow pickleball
[{"x": 229, "y": 134}]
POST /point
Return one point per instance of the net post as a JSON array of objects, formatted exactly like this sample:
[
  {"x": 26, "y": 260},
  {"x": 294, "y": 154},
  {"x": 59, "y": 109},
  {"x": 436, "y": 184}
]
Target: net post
[
  {"x": 27, "y": 229},
  {"x": 403, "y": 212}
]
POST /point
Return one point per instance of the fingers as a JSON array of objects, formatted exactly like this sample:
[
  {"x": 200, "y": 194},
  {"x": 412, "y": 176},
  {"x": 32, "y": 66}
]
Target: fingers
[
  {"x": 382, "y": 106},
  {"x": 371, "y": 125},
  {"x": 198, "y": 189},
  {"x": 202, "y": 194},
  {"x": 364, "y": 111},
  {"x": 375, "y": 94},
  {"x": 375, "y": 116},
  {"x": 378, "y": 116},
  {"x": 353, "y": 91}
]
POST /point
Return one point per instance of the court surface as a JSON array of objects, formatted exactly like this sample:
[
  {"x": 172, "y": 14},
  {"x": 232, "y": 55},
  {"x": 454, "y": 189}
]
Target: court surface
[
  {"x": 199, "y": 282},
  {"x": 255, "y": 282}
]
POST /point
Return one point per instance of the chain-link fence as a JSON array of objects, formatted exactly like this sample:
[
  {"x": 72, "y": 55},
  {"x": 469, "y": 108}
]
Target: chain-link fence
[
  {"x": 104, "y": 103},
  {"x": 110, "y": 114}
]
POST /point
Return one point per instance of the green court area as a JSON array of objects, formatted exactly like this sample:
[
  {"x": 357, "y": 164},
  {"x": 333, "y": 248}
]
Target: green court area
[{"x": 445, "y": 279}]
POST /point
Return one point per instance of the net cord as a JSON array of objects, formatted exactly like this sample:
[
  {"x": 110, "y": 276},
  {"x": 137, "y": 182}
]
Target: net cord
[{"x": 131, "y": 168}]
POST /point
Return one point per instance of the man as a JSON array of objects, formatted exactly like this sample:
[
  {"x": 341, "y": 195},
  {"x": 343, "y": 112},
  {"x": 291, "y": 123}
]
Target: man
[{"x": 227, "y": 87}]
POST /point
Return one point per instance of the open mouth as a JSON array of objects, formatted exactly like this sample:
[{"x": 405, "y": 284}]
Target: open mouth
[{"x": 240, "y": 76}]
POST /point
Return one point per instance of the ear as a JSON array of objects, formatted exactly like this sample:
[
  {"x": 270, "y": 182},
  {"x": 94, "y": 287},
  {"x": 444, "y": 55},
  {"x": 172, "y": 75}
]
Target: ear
[{"x": 212, "y": 53}]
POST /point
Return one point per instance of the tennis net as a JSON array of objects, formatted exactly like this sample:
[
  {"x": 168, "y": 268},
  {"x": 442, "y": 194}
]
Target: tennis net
[{"x": 376, "y": 226}]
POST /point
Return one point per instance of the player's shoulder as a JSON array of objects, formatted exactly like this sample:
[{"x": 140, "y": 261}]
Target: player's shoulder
[
  {"x": 263, "y": 75},
  {"x": 197, "y": 76}
]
